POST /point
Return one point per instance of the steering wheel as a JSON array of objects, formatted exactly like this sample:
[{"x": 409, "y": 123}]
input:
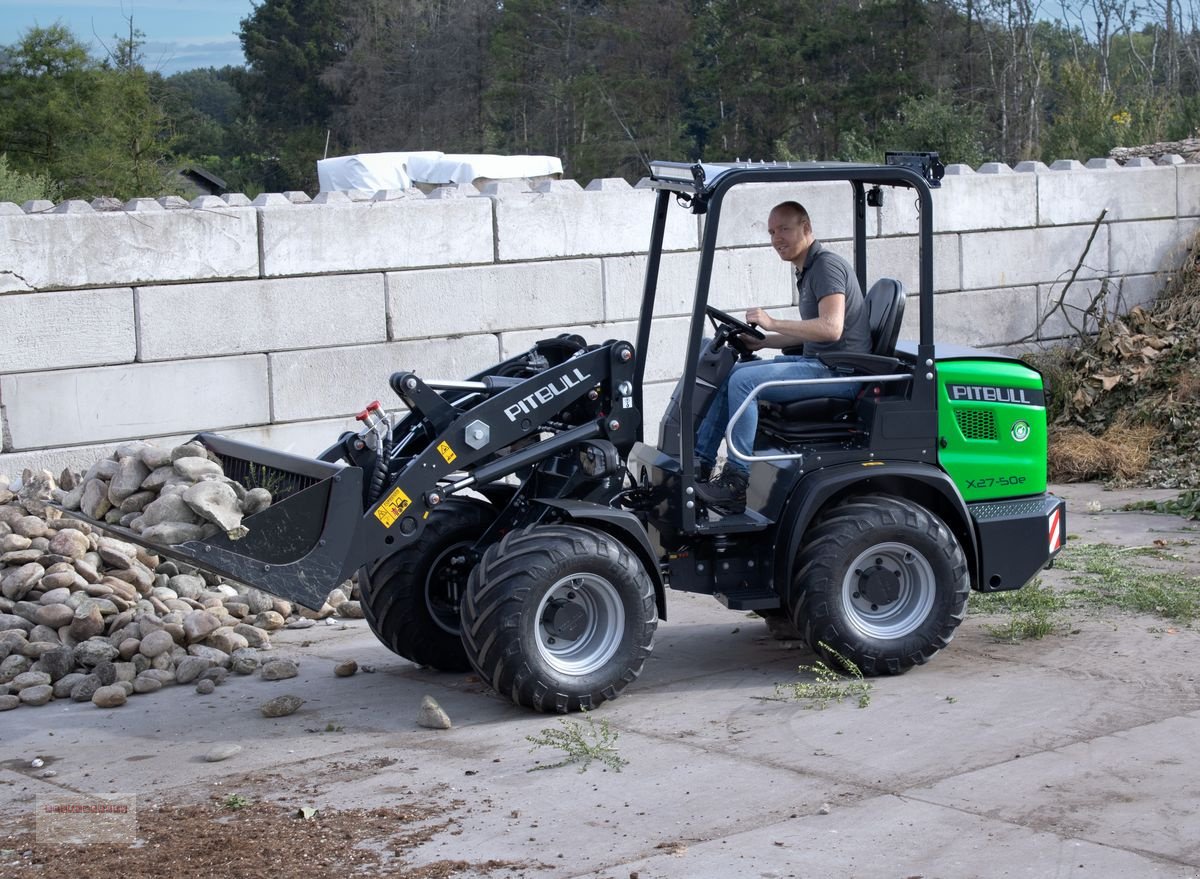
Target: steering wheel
[{"x": 728, "y": 330}]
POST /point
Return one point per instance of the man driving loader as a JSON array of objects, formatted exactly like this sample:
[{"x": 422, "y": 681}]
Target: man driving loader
[{"x": 833, "y": 317}]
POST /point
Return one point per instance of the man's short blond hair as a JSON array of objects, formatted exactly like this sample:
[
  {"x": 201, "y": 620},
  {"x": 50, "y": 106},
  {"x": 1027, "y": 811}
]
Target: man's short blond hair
[{"x": 796, "y": 208}]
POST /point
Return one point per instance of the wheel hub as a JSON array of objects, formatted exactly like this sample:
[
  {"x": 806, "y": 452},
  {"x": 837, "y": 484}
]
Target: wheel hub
[
  {"x": 565, "y": 619},
  {"x": 878, "y": 584}
]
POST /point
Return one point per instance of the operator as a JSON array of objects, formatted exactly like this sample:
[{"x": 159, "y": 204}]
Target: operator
[{"x": 833, "y": 317}]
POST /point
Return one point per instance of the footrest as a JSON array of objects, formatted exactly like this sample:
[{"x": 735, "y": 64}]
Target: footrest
[{"x": 749, "y": 599}]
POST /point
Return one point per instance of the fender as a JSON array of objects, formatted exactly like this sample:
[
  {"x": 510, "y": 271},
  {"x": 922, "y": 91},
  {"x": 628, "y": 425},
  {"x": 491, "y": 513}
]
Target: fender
[
  {"x": 924, "y": 482},
  {"x": 625, "y": 527}
]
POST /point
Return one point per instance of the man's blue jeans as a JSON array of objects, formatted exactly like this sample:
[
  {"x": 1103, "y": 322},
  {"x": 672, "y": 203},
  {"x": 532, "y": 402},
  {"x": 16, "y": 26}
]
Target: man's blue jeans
[{"x": 742, "y": 380}]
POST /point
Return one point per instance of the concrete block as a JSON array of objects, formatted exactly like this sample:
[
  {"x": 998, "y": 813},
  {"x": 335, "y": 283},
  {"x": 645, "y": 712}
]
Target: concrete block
[
  {"x": 557, "y": 186},
  {"x": 1030, "y": 256},
  {"x": 122, "y": 249},
  {"x": 608, "y": 184},
  {"x": 1171, "y": 159},
  {"x": 236, "y": 199},
  {"x": 1101, "y": 163},
  {"x": 436, "y": 302},
  {"x": 67, "y": 328},
  {"x": 1187, "y": 198},
  {"x": 1031, "y": 167},
  {"x": 1149, "y": 247},
  {"x": 741, "y": 278},
  {"x": 73, "y": 407},
  {"x": 966, "y": 203},
  {"x": 1140, "y": 162},
  {"x": 271, "y": 199},
  {"x": 142, "y": 204},
  {"x": 977, "y": 317},
  {"x": 668, "y": 342},
  {"x": 174, "y": 202},
  {"x": 8, "y": 209},
  {"x": 1067, "y": 165},
  {"x": 340, "y": 381},
  {"x": 73, "y": 206},
  {"x": 558, "y": 224},
  {"x": 745, "y": 209},
  {"x": 106, "y": 203},
  {"x": 240, "y": 317},
  {"x": 655, "y": 397},
  {"x": 899, "y": 258},
  {"x": 376, "y": 235},
  {"x": 1127, "y": 194},
  {"x": 37, "y": 206},
  {"x": 995, "y": 168},
  {"x": 337, "y": 196},
  {"x": 297, "y": 197}
]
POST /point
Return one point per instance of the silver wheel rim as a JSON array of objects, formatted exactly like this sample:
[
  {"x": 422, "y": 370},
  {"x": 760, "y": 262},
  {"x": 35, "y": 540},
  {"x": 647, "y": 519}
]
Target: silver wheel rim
[
  {"x": 875, "y": 576},
  {"x": 596, "y": 607}
]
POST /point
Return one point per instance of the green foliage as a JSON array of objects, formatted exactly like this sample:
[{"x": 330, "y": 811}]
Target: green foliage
[
  {"x": 937, "y": 122},
  {"x": 1032, "y": 612},
  {"x": 1186, "y": 504},
  {"x": 582, "y": 743},
  {"x": 18, "y": 187},
  {"x": 1111, "y": 576},
  {"x": 829, "y": 686},
  {"x": 235, "y": 802}
]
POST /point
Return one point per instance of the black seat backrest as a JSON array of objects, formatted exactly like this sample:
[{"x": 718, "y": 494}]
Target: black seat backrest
[{"x": 885, "y": 313}]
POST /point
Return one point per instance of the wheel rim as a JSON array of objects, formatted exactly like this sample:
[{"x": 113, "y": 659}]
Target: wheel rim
[
  {"x": 444, "y": 585},
  {"x": 580, "y": 622},
  {"x": 889, "y": 590}
]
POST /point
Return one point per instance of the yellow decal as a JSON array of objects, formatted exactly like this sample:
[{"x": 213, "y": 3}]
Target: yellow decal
[
  {"x": 872, "y": 463},
  {"x": 447, "y": 452},
  {"x": 392, "y": 508}
]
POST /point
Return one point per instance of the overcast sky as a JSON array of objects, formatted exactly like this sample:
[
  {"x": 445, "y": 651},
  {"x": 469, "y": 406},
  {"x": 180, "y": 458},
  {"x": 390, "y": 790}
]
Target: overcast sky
[{"x": 180, "y": 34}]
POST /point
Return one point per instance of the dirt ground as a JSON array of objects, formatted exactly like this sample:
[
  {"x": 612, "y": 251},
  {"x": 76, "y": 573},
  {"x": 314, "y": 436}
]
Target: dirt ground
[{"x": 1068, "y": 755}]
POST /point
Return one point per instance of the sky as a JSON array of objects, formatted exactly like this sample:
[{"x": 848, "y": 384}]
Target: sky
[{"x": 180, "y": 34}]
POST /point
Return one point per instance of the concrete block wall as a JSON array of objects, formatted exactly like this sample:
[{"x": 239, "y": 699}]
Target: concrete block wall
[{"x": 276, "y": 320}]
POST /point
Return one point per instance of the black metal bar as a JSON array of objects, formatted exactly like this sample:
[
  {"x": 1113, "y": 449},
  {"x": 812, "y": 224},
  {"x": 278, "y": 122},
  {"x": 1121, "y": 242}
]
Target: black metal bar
[
  {"x": 649, "y": 292},
  {"x": 860, "y": 233}
]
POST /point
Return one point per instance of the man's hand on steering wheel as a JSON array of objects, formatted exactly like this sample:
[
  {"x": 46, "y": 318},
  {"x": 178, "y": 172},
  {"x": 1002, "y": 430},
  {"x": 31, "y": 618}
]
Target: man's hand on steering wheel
[{"x": 730, "y": 330}]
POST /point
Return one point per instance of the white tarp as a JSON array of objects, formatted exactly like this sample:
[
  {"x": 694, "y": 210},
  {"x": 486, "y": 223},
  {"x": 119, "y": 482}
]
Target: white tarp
[{"x": 375, "y": 171}]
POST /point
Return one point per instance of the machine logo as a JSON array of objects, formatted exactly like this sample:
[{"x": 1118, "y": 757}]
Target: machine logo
[
  {"x": 543, "y": 395},
  {"x": 987, "y": 394},
  {"x": 1020, "y": 431}
]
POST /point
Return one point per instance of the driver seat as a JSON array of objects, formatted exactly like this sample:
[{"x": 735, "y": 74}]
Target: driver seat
[{"x": 835, "y": 417}]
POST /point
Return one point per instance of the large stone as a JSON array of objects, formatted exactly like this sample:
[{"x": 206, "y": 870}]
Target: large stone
[
  {"x": 70, "y": 542},
  {"x": 9, "y": 702},
  {"x": 269, "y": 620},
  {"x": 85, "y": 688},
  {"x": 212, "y": 654},
  {"x": 29, "y": 526},
  {"x": 168, "y": 508},
  {"x": 187, "y": 585},
  {"x": 216, "y": 502},
  {"x": 172, "y": 533},
  {"x": 131, "y": 472},
  {"x": 57, "y": 663},
  {"x": 431, "y": 715},
  {"x": 143, "y": 684},
  {"x": 227, "y": 640},
  {"x": 13, "y": 666},
  {"x": 10, "y": 621},
  {"x": 199, "y": 624},
  {"x": 156, "y": 643},
  {"x": 16, "y": 584},
  {"x": 281, "y": 706},
  {"x": 109, "y": 697},
  {"x": 64, "y": 685},
  {"x": 39, "y": 694},
  {"x": 87, "y": 621},
  {"x": 279, "y": 670},
  {"x": 92, "y": 651},
  {"x": 252, "y": 635},
  {"x": 196, "y": 468},
  {"x": 191, "y": 667},
  {"x": 14, "y": 543},
  {"x": 28, "y": 679},
  {"x": 95, "y": 503},
  {"x": 55, "y": 615}
]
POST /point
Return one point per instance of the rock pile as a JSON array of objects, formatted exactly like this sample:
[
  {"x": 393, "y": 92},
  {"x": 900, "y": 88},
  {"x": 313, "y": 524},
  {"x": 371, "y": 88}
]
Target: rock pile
[
  {"x": 88, "y": 617},
  {"x": 166, "y": 495}
]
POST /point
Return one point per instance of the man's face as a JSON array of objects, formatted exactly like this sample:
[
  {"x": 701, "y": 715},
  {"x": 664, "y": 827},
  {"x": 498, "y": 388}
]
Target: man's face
[{"x": 789, "y": 236}]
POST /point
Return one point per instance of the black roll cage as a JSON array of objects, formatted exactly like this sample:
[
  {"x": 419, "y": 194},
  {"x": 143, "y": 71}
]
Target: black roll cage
[{"x": 703, "y": 187}]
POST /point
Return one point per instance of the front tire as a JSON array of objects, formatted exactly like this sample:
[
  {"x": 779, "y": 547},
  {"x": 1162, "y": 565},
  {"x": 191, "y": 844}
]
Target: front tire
[
  {"x": 411, "y": 599},
  {"x": 881, "y": 582},
  {"x": 559, "y": 618}
]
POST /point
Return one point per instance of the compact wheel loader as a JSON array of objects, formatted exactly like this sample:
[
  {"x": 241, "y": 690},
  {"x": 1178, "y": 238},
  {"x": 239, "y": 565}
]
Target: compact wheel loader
[{"x": 516, "y": 524}]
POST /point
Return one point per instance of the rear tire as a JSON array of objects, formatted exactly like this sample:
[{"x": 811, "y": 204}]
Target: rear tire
[
  {"x": 881, "y": 582},
  {"x": 559, "y": 618},
  {"x": 411, "y": 599}
]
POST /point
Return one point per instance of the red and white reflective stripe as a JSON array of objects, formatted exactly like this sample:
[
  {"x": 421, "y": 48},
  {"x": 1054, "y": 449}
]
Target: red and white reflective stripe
[{"x": 1056, "y": 530}]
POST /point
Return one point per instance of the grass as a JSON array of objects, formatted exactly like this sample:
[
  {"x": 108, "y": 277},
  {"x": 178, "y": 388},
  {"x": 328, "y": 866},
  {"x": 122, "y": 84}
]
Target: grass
[
  {"x": 1032, "y": 611},
  {"x": 1109, "y": 576},
  {"x": 831, "y": 686},
  {"x": 234, "y": 802},
  {"x": 1102, "y": 576},
  {"x": 582, "y": 743}
]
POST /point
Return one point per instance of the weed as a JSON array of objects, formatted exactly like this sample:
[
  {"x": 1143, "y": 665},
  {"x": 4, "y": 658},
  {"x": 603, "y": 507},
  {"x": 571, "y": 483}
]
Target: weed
[
  {"x": 1032, "y": 611},
  {"x": 264, "y": 477},
  {"x": 581, "y": 742},
  {"x": 1107, "y": 576},
  {"x": 234, "y": 802},
  {"x": 1186, "y": 504},
  {"x": 830, "y": 686}
]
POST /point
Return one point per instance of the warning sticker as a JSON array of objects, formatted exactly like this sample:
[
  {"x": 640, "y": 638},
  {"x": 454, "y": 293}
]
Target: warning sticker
[
  {"x": 447, "y": 452},
  {"x": 393, "y": 507}
]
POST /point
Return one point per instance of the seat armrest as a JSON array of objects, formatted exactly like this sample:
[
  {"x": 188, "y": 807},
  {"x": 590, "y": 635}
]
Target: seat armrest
[{"x": 860, "y": 364}]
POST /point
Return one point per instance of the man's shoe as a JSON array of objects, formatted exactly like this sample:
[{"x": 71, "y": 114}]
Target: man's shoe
[{"x": 727, "y": 492}]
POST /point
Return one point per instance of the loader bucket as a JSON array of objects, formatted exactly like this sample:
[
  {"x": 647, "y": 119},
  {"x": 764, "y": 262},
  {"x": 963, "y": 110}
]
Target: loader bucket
[{"x": 300, "y": 547}]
